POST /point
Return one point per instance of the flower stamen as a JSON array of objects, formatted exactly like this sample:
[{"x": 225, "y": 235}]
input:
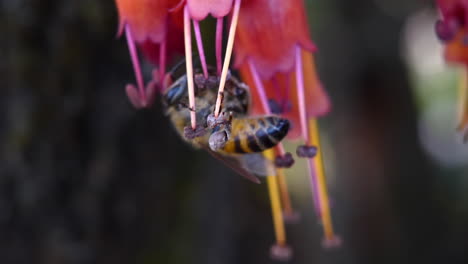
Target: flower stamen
[
  {"x": 227, "y": 58},
  {"x": 141, "y": 100},
  {"x": 288, "y": 210},
  {"x": 189, "y": 67},
  {"x": 219, "y": 43},
  {"x": 201, "y": 52},
  {"x": 280, "y": 250},
  {"x": 162, "y": 60},
  {"x": 317, "y": 173}
]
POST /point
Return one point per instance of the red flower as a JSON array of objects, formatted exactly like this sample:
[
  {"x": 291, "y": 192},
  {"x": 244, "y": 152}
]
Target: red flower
[
  {"x": 274, "y": 54},
  {"x": 147, "y": 23},
  {"x": 452, "y": 30},
  {"x": 269, "y": 35}
]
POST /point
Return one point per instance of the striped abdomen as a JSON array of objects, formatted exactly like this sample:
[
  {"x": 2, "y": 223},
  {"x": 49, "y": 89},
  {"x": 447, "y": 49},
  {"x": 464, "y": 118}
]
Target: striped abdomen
[{"x": 256, "y": 134}]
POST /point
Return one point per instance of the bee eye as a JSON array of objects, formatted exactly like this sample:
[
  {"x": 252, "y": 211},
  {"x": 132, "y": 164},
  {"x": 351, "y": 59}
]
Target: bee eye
[
  {"x": 239, "y": 91},
  {"x": 176, "y": 91}
]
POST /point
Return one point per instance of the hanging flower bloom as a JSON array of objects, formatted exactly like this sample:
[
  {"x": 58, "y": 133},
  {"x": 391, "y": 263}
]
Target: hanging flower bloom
[
  {"x": 147, "y": 23},
  {"x": 273, "y": 51},
  {"x": 452, "y": 30}
]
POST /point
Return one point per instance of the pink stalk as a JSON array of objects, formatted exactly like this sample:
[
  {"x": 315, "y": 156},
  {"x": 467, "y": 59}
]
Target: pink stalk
[
  {"x": 227, "y": 58},
  {"x": 162, "y": 61},
  {"x": 189, "y": 67},
  {"x": 305, "y": 128},
  {"x": 201, "y": 52},
  {"x": 301, "y": 95},
  {"x": 260, "y": 88},
  {"x": 219, "y": 43},
  {"x": 136, "y": 63}
]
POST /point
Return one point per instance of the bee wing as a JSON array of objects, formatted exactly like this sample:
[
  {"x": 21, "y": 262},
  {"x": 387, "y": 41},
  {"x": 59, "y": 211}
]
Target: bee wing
[
  {"x": 235, "y": 164},
  {"x": 257, "y": 164}
]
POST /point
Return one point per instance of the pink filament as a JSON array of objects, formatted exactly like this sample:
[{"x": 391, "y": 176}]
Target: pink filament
[
  {"x": 300, "y": 95},
  {"x": 162, "y": 61},
  {"x": 201, "y": 52},
  {"x": 136, "y": 63},
  {"x": 219, "y": 43},
  {"x": 263, "y": 98},
  {"x": 305, "y": 128}
]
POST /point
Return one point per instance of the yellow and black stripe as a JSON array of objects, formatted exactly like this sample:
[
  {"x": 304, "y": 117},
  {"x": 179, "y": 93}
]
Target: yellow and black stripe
[{"x": 256, "y": 134}]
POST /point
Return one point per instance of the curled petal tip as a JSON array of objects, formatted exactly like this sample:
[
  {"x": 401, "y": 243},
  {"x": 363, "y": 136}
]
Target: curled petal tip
[
  {"x": 332, "y": 242},
  {"x": 133, "y": 96},
  {"x": 199, "y": 9},
  {"x": 293, "y": 217},
  {"x": 151, "y": 90},
  {"x": 281, "y": 252}
]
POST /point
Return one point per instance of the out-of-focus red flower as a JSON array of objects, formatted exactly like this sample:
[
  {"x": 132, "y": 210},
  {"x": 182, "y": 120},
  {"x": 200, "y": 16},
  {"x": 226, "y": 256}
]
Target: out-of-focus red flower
[{"x": 452, "y": 29}]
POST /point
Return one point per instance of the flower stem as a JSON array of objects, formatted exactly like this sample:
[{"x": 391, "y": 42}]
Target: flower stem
[
  {"x": 317, "y": 172},
  {"x": 136, "y": 63},
  {"x": 227, "y": 59},
  {"x": 280, "y": 149},
  {"x": 201, "y": 52},
  {"x": 189, "y": 67},
  {"x": 162, "y": 61},
  {"x": 219, "y": 43}
]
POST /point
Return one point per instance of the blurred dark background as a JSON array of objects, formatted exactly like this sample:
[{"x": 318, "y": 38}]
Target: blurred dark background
[{"x": 84, "y": 178}]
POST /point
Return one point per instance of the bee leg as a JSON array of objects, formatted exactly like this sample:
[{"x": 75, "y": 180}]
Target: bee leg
[
  {"x": 212, "y": 121},
  {"x": 190, "y": 133},
  {"x": 218, "y": 140},
  {"x": 306, "y": 151},
  {"x": 285, "y": 161}
]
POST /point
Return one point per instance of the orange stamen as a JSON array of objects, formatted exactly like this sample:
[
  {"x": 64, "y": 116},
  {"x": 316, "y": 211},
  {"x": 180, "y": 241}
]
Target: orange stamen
[
  {"x": 330, "y": 239},
  {"x": 280, "y": 250},
  {"x": 227, "y": 59},
  {"x": 189, "y": 67},
  {"x": 289, "y": 212}
]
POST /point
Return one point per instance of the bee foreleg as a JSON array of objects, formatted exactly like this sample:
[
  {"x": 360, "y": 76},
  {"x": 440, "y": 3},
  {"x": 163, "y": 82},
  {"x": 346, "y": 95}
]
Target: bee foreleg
[
  {"x": 212, "y": 121},
  {"x": 190, "y": 133}
]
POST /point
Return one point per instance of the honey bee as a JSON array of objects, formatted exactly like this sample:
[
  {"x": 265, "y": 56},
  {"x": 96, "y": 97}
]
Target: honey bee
[{"x": 233, "y": 137}]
